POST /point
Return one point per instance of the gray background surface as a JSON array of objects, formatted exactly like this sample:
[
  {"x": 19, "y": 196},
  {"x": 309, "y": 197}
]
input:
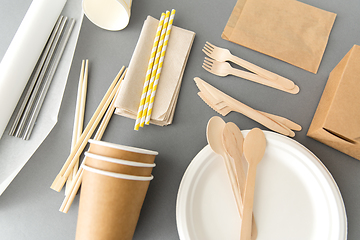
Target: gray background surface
[{"x": 29, "y": 208}]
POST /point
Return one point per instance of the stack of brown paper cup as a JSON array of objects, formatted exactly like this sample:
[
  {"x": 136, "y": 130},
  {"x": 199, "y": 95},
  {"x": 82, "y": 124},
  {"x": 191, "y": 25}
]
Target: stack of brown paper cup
[{"x": 115, "y": 182}]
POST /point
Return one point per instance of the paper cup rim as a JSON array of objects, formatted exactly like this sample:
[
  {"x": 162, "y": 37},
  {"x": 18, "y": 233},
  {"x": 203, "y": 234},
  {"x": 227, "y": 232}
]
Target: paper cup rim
[
  {"x": 120, "y": 24},
  {"x": 119, "y": 161},
  {"x": 117, "y": 175},
  {"x": 123, "y": 147}
]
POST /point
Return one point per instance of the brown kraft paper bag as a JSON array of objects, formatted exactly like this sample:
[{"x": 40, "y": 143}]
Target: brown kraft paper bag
[
  {"x": 288, "y": 30},
  {"x": 336, "y": 122}
]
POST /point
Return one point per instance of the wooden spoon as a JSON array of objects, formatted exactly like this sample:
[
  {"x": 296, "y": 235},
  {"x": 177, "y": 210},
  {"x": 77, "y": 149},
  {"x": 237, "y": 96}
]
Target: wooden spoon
[
  {"x": 254, "y": 149},
  {"x": 214, "y": 131},
  {"x": 233, "y": 143}
]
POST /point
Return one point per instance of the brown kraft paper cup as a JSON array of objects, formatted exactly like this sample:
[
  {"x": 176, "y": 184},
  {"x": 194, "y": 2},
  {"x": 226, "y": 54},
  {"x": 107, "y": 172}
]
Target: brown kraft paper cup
[
  {"x": 110, "y": 164},
  {"x": 121, "y": 152},
  {"x": 109, "y": 207}
]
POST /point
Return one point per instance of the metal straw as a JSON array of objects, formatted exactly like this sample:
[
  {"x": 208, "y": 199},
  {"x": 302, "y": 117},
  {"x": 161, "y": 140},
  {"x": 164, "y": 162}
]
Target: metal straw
[
  {"x": 48, "y": 80},
  {"x": 34, "y": 77},
  {"x": 34, "y": 95}
]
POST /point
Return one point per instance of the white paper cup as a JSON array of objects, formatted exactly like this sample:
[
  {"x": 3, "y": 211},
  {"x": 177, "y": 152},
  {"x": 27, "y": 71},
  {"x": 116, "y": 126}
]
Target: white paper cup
[{"x": 111, "y": 15}]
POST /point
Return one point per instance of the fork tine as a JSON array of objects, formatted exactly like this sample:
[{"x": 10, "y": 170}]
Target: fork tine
[
  {"x": 209, "y": 45},
  {"x": 209, "y": 59},
  {"x": 206, "y": 68},
  {"x": 208, "y": 63},
  {"x": 206, "y": 52}
]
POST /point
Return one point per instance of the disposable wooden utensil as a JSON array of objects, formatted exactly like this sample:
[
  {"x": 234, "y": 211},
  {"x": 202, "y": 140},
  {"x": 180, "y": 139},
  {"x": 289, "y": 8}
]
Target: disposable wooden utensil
[
  {"x": 89, "y": 130},
  {"x": 75, "y": 185},
  {"x": 284, "y": 121},
  {"x": 223, "y": 104},
  {"x": 214, "y": 130},
  {"x": 233, "y": 142},
  {"x": 223, "y": 69},
  {"x": 79, "y": 118},
  {"x": 83, "y": 99},
  {"x": 109, "y": 112},
  {"x": 254, "y": 149},
  {"x": 222, "y": 55}
]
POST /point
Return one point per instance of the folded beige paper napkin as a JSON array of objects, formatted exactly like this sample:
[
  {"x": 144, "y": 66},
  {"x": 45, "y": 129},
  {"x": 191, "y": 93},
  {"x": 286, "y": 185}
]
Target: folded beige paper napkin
[
  {"x": 288, "y": 30},
  {"x": 178, "y": 49}
]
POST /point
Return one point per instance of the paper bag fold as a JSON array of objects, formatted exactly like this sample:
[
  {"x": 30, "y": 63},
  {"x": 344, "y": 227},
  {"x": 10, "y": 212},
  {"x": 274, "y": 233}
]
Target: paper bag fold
[{"x": 337, "y": 118}]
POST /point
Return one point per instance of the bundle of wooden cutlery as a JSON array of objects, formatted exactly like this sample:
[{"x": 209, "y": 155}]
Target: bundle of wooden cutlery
[
  {"x": 217, "y": 64},
  {"x": 223, "y": 104}
]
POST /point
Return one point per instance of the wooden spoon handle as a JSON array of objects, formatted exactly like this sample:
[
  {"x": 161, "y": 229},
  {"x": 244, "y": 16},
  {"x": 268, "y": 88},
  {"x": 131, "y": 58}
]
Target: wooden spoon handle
[
  {"x": 286, "y": 83},
  {"x": 290, "y": 124},
  {"x": 258, "y": 117},
  {"x": 234, "y": 184},
  {"x": 246, "y": 223}
]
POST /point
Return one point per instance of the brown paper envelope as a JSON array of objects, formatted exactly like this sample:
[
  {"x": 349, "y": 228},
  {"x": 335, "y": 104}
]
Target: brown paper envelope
[
  {"x": 337, "y": 119},
  {"x": 234, "y": 17},
  {"x": 288, "y": 30},
  {"x": 109, "y": 207}
]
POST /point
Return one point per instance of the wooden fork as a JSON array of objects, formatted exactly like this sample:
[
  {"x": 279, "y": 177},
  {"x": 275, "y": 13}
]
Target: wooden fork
[
  {"x": 223, "y": 69},
  {"x": 223, "y": 55}
]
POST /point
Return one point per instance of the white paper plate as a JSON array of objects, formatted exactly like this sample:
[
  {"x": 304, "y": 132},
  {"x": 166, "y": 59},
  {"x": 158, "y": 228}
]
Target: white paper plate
[{"x": 295, "y": 197}]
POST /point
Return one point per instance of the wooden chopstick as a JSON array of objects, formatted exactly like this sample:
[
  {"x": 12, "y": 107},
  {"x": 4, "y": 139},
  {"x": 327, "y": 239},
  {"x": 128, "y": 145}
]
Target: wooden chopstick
[
  {"x": 82, "y": 141},
  {"x": 74, "y": 187},
  {"x": 79, "y": 116},
  {"x": 76, "y": 118},
  {"x": 78, "y": 103},
  {"x": 82, "y": 109},
  {"x": 108, "y": 114}
]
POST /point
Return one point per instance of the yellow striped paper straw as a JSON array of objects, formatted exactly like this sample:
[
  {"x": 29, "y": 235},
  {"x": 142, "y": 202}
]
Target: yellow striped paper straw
[
  {"x": 153, "y": 72},
  {"x": 158, "y": 72},
  {"x": 148, "y": 73}
]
